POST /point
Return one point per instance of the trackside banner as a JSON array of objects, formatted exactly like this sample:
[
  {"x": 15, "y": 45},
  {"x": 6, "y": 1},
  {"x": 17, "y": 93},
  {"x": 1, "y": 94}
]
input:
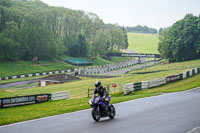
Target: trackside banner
[
  {"x": 24, "y": 100},
  {"x": 135, "y": 55}
]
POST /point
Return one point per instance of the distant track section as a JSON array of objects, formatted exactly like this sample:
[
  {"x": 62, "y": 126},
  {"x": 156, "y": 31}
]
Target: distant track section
[{"x": 135, "y": 55}]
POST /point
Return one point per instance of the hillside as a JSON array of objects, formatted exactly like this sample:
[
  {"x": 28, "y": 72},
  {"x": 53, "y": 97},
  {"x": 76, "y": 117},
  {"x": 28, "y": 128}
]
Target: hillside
[
  {"x": 143, "y": 43},
  {"x": 31, "y": 28}
]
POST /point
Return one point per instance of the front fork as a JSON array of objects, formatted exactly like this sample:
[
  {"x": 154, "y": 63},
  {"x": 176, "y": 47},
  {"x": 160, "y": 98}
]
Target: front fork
[{"x": 97, "y": 108}]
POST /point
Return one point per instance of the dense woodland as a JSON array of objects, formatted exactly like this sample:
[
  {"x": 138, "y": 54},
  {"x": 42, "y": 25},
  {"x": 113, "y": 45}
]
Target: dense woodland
[
  {"x": 30, "y": 28},
  {"x": 181, "y": 42},
  {"x": 141, "y": 29}
]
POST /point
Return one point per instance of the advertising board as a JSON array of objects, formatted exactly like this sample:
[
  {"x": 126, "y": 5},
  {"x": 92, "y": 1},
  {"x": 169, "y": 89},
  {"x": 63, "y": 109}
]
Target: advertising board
[{"x": 24, "y": 100}]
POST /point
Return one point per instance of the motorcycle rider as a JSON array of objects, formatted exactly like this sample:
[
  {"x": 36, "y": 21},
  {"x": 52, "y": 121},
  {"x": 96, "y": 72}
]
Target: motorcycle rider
[{"x": 101, "y": 90}]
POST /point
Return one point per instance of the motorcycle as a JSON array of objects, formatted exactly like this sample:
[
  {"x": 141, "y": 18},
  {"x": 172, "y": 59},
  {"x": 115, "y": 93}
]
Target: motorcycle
[{"x": 101, "y": 109}]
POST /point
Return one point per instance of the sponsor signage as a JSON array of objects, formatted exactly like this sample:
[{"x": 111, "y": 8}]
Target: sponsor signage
[
  {"x": 135, "y": 55},
  {"x": 114, "y": 85},
  {"x": 173, "y": 78},
  {"x": 24, "y": 100}
]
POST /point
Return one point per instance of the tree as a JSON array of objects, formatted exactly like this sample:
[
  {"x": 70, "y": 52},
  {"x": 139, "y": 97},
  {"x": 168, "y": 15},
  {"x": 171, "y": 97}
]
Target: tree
[
  {"x": 8, "y": 45},
  {"x": 98, "y": 47},
  {"x": 141, "y": 29},
  {"x": 30, "y": 28},
  {"x": 125, "y": 37},
  {"x": 181, "y": 41}
]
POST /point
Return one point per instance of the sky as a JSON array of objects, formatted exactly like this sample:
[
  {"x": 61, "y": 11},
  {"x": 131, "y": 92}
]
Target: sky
[{"x": 152, "y": 13}]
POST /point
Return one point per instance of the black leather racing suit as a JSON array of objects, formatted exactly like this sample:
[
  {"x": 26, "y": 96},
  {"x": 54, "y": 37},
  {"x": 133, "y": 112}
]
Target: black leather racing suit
[{"x": 102, "y": 92}]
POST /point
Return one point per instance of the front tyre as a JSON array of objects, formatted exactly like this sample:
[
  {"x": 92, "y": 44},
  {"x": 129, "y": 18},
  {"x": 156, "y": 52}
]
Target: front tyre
[
  {"x": 112, "y": 112},
  {"x": 96, "y": 115}
]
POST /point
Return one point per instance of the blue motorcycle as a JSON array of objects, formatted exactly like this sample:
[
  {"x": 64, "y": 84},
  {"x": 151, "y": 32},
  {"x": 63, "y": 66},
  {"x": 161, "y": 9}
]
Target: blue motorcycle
[{"x": 101, "y": 109}]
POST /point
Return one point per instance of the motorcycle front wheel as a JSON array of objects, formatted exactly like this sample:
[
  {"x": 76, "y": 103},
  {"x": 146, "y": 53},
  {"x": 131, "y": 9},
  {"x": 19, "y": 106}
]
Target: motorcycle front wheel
[
  {"x": 112, "y": 112},
  {"x": 96, "y": 115}
]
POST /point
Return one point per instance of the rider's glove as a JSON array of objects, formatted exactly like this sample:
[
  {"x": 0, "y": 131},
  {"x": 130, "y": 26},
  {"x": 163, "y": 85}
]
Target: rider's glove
[{"x": 102, "y": 99}]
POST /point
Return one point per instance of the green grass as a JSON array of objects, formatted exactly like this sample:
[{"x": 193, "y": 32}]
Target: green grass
[
  {"x": 20, "y": 79},
  {"x": 27, "y": 67},
  {"x": 181, "y": 85},
  {"x": 118, "y": 59},
  {"x": 171, "y": 68},
  {"x": 102, "y": 61},
  {"x": 78, "y": 92},
  {"x": 78, "y": 89},
  {"x": 143, "y": 43},
  {"x": 29, "y": 112}
]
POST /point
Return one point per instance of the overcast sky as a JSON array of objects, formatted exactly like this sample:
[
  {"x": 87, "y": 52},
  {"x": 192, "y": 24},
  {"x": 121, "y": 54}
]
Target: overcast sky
[{"x": 152, "y": 13}]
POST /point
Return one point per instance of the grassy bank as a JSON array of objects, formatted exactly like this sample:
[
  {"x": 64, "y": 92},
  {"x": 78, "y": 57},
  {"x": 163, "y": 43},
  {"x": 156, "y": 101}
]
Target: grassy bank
[
  {"x": 78, "y": 89},
  {"x": 26, "y": 67},
  {"x": 170, "y": 68},
  {"x": 29, "y": 112}
]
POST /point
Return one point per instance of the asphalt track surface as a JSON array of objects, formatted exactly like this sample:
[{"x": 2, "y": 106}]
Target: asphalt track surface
[
  {"x": 168, "y": 113},
  {"x": 18, "y": 83},
  {"x": 126, "y": 70}
]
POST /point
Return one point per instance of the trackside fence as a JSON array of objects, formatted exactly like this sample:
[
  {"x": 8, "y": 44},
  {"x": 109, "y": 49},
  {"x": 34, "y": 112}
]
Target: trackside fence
[
  {"x": 33, "y": 99},
  {"x": 60, "y": 95},
  {"x": 132, "y": 87}
]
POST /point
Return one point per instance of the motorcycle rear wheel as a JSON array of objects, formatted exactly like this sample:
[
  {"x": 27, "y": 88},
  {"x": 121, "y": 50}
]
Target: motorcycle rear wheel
[{"x": 96, "y": 115}]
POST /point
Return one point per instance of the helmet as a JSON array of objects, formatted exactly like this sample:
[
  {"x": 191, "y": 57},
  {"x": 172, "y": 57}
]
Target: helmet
[{"x": 98, "y": 84}]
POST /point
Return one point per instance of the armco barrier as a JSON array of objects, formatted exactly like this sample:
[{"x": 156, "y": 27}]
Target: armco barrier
[
  {"x": 190, "y": 73},
  {"x": 195, "y": 71},
  {"x": 145, "y": 85},
  {"x": 60, "y": 95},
  {"x": 157, "y": 82},
  {"x": 128, "y": 88},
  {"x": 181, "y": 76},
  {"x": 14, "y": 77},
  {"x": 184, "y": 75},
  {"x": 137, "y": 86},
  {"x": 172, "y": 78},
  {"x": 187, "y": 74}
]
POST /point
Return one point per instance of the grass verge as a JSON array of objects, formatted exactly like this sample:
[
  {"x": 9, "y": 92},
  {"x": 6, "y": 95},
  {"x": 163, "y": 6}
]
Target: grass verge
[
  {"x": 29, "y": 112},
  {"x": 78, "y": 89}
]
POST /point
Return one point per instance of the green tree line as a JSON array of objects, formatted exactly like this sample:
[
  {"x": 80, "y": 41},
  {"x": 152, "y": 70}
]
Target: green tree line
[
  {"x": 181, "y": 41},
  {"x": 31, "y": 28},
  {"x": 141, "y": 29}
]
